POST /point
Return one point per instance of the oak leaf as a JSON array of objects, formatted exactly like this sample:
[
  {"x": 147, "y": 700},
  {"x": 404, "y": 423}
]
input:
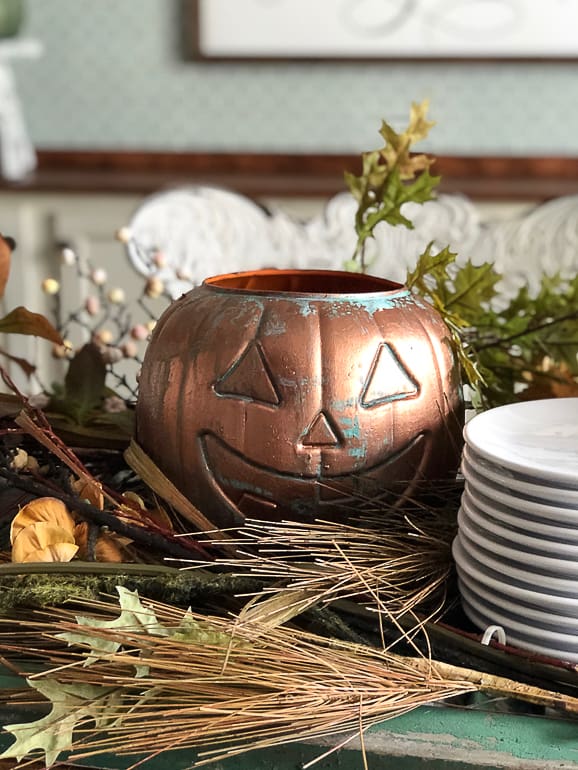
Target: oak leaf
[
  {"x": 134, "y": 616},
  {"x": 72, "y": 705}
]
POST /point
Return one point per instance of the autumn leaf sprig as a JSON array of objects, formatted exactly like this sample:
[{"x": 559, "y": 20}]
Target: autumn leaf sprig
[
  {"x": 390, "y": 177},
  {"x": 529, "y": 349}
]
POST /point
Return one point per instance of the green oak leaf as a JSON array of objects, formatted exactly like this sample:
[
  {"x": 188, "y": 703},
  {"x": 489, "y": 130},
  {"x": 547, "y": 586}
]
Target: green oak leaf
[
  {"x": 473, "y": 287},
  {"x": 432, "y": 279},
  {"x": 192, "y": 630},
  {"x": 72, "y": 705},
  {"x": 134, "y": 616},
  {"x": 391, "y": 177}
]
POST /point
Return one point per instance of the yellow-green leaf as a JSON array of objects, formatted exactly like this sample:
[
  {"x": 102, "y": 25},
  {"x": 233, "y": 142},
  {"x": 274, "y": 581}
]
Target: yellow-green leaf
[
  {"x": 391, "y": 177},
  {"x": 134, "y": 616},
  {"x": 278, "y": 609},
  {"x": 72, "y": 705}
]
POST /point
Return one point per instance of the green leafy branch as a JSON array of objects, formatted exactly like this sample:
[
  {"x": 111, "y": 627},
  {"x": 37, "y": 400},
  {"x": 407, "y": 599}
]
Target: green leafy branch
[
  {"x": 430, "y": 279},
  {"x": 391, "y": 177},
  {"x": 531, "y": 345},
  {"x": 533, "y": 339}
]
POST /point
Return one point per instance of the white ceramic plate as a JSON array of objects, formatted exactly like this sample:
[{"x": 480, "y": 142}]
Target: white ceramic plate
[
  {"x": 531, "y": 631},
  {"x": 517, "y": 555},
  {"x": 515, "y": 483},
  {"x": 516, "y": 538},
  {"x": 516, "y": 519},
  {"x": 520, "y": 612},
  {"x": 550, "y": 512},
  {"x": 507, "y": 570},
  {"x": 519, "y": 641},
  {"x": 537, "y": 438},
  {"x": 494, "y": 582},
  {"x": 503, "y": 480}
]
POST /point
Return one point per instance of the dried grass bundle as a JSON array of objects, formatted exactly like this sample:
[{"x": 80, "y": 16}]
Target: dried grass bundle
[
  {"x": 156, "y": 679},
  {"x": 396, "y": 558}
]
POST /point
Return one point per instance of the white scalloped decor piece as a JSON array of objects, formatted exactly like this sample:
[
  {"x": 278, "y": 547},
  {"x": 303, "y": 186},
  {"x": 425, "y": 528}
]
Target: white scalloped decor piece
[{"x": 203, "y": 231}]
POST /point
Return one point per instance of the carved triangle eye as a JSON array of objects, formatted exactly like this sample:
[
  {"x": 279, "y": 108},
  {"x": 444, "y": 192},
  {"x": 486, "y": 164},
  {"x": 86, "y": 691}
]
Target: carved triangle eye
[
  {"x": 250, "y": 378},
  {"x": 388, "y": 379}
]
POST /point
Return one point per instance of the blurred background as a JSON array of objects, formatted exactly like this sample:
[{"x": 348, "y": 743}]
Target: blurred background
[
  {"x": 114, "y": 74},
  {"x": 103, "y": 104}
]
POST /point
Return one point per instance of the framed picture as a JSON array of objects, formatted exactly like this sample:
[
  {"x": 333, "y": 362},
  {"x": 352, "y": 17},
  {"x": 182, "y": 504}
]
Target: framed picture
[{"x": 384, "y": 29}]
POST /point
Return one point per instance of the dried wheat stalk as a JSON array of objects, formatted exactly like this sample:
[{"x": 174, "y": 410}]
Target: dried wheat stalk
[
  {"x": 222, "y": 687},
  {"x": 395, "y": 560}
]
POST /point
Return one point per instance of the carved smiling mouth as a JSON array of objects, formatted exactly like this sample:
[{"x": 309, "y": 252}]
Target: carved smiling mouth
[{"x": 249, "y": 489}]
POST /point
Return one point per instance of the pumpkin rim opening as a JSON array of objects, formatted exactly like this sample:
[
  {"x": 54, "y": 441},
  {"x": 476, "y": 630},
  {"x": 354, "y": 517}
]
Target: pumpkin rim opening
[{"x": 273, "y": 281}]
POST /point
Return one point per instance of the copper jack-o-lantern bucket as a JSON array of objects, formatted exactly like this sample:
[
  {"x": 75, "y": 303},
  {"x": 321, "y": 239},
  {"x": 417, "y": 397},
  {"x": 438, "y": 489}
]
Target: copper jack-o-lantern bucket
[{"x": 284, "y": 393}]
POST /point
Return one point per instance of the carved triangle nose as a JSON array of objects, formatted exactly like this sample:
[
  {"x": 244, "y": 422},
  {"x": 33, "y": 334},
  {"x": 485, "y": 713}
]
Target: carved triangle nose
[{"x": 320, "y": 432}]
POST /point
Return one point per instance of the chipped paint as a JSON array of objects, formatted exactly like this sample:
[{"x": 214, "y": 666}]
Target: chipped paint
[
  {"x": 274, "y": 327},
  {"x": 306, "y": 307},
  {"x": 371, "y": 303},
  {"x": 351, "y": 427},
  {"x": 341, "y": 406}
]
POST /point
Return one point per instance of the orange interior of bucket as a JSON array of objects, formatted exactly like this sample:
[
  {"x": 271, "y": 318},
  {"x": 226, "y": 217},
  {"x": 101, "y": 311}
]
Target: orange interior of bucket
[{"x": 303, "y": 282}]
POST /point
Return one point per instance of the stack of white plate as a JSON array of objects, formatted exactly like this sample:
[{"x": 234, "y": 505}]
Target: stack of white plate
[{"x": 516, "y": 550}]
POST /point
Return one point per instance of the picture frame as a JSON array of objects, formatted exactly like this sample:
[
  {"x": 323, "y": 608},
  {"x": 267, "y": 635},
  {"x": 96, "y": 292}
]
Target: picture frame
[{"x": 382, "y": 30}]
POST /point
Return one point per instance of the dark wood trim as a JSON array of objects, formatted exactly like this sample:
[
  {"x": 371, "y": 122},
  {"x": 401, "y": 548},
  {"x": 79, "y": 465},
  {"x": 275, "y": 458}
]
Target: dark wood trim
[{"x": 287, "y": 175}]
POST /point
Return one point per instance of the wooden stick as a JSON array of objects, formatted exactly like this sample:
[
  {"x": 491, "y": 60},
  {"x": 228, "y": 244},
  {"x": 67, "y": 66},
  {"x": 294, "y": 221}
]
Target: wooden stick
[{"x": 495, "y": 685}]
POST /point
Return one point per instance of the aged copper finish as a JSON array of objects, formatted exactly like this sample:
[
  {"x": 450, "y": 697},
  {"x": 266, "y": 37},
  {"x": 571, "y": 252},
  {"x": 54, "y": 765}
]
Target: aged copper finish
[{"x": 262, "y": 393}]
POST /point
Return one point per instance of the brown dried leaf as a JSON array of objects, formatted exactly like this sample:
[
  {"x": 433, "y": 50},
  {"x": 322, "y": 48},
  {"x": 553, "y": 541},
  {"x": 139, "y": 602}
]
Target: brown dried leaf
[
  {"x": 23, "y": 321},
  {"x": 43, "y": 509},
  {"x": 81, "y": 539},
  {"x": 556, "y": 382},
  {"x": 157, "y": 515},
  {"x": 89, "y": 490},
  {"x": 22, "y": 363},
  {"x": 109, "y": 546},
  {"x": 44, "y": 542},
  {"x": 151, "y": 474},
  {"x": 52, "y": 553},
  {"x": 161, "y": 518},
  {"x": 135, "y": 500}
]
